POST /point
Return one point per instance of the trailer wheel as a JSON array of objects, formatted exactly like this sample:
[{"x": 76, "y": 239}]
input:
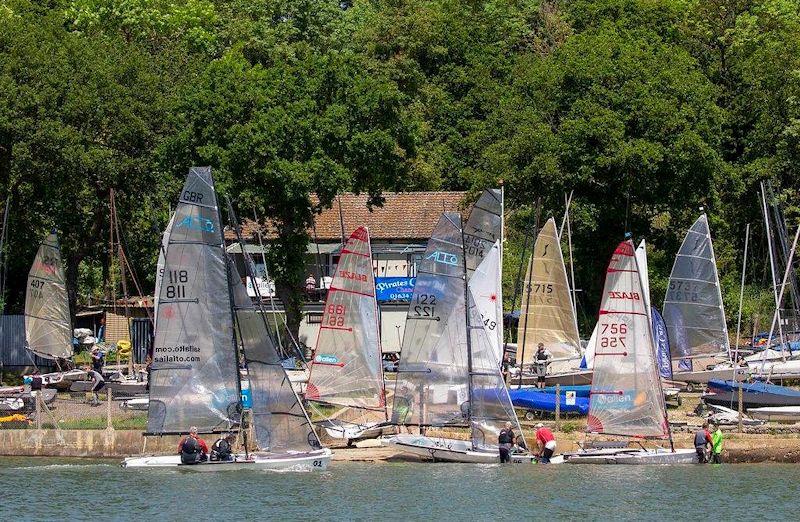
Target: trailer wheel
[
  {"x": 530, "y": 416},
  {"x": 690, "y": 387}
]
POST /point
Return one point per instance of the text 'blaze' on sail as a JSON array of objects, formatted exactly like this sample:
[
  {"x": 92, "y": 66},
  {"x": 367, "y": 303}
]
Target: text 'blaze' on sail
[
  {"x": 48, "y": 330},
  {"x": 433, "y": 374},
  {"x": 347, "y": 368},
  {"x": 626, "y": 396},
  {"x": 194, "y": 379},
  {"x": 693, "y": 309},
  {"x": 547, "y": 315}
]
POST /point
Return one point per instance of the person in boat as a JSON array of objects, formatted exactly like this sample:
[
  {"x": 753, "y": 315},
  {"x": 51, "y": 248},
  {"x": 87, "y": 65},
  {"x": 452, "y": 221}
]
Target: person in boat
[
  {"x": 506, "y": 441},
  {"x": 97, "y": 384},
  {"x": 545, "y": 442},
  {"x": 702, "y": 440},
  {"x": 543, "y": 357},
  {"x": 716, "y": 446},
  {"x": 192, "y": 448},
  {"x": 402, "y": 410},
  {"x": 222, "y": 449}
]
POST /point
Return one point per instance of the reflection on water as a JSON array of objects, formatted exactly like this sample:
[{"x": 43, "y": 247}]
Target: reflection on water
[{"x": 99, "y": 489}]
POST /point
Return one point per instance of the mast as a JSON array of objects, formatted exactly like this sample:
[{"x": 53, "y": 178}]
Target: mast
[
  {"x": 468, "y": 327},
  {"x": 572, "y": 268},
  {"x": 521, "y": 356},
  {"x": 772, "y": 267},
  {"x": 735, "y": 357},
  {"x": 776, "y": 316}
]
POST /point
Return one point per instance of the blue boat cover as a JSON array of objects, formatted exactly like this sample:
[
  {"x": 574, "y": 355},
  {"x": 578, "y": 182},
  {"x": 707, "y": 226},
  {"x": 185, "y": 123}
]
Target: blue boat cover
[
  {"x": 752, "y": 387},
  {"x": 533, "y": 399},
  {"x": 581, "y": 390}
]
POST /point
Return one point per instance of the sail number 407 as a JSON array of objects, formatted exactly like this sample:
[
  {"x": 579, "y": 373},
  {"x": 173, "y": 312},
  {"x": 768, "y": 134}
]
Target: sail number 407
[{"x": 613, "y": 335}]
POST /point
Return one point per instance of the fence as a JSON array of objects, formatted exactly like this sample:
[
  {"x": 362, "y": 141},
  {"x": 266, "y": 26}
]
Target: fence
[{"x": 12, "y": 344}]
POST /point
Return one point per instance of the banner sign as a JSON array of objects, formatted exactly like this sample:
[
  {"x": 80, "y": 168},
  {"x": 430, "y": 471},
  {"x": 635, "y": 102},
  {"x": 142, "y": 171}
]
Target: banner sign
[
  {"x": 394, "y": 288},
  {"x": 662, "y": 344}
]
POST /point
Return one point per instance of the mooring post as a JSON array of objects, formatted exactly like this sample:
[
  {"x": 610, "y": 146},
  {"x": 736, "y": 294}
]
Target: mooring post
[
  {"x": 558, "y": 407},
  {"x": 741, "y": 410}
]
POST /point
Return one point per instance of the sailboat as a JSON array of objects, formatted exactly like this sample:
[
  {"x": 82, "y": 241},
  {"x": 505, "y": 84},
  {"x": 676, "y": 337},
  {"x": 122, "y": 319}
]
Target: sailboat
[
  {"x": 449, "y": 375},
  {"x": 694, "y": 312},
  {"x": 547, "y": 316},
  {"x": 346, "y": 372},
  {"x": 48, "y": 325},
  {"x": 626, "y": 398},
  {"x": 203, "y": 314}
]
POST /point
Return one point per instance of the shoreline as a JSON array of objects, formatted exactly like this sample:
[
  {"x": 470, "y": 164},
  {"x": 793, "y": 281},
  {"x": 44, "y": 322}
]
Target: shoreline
[{"x": 117, "y": 444}]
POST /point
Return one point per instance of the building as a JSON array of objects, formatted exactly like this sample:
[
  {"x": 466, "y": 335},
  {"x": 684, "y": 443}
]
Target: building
[{"x": 399, "y": 232}]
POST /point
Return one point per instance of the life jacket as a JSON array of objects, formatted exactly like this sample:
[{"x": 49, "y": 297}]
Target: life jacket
[
  {"x": 221, "y": 450},
  {"x": 700, "y": 438},
  {"x": 506, "y": 437},
  {"x": 190, "y": 451}
]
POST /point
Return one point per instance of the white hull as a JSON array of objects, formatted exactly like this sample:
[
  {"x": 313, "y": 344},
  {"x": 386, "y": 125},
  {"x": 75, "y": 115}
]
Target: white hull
[
  {"x": 776, "y": 370},
  {"x": 703, "y": 376},
  {"x": 776, "y": 413},
  {"x": 311, "y": 461},
  {"x": 633, "y": 456},
  {"x": 354, "y": 432},
  {"x": 451, "y": 450}
]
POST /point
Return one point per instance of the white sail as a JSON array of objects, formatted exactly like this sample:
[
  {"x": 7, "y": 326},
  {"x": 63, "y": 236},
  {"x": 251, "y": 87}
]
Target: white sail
[
  {"x": 48, "y": 330},
  {"x": 591, "y": 346},
  {"x": 547, "y": 315},
  {"x": 693, "y": 308},
  {"x": 346, "y": 369},
  {"x": 484, "y": 285},
  {"x": 482, "y": 230},
  {"x": 160, "y": 267},
  {"x": 641, "y": 260},
  {"x": 626, "y": 396}
]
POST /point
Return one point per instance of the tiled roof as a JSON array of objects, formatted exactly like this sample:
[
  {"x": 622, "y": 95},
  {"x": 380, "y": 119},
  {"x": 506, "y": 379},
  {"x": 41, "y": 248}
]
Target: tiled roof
[{"x": 404, "y": 215}]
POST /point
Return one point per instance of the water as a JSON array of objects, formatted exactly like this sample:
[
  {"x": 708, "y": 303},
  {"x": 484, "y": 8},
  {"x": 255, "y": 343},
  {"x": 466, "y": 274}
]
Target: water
[{"x": 98, "y": 489}]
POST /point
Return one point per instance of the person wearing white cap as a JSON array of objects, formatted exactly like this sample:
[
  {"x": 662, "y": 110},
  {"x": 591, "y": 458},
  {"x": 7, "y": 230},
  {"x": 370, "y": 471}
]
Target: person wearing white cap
[{"x": 545, "y": 442}]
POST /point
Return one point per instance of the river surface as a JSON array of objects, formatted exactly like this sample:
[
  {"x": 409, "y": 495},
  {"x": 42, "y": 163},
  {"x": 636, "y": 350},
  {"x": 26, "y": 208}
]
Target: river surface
[{"x": 73, "y": 489}]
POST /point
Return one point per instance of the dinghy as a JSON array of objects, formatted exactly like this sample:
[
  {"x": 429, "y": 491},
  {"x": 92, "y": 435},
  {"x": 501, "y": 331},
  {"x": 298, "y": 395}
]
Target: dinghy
[
  {"x": 448, "y": 374},
  {"x": 693, "y": 308},
  {"x": 626, "y": 397},
  {"x": 346, "y": 372},
  {"x": 754, "y": 394},
  {"x": 547, "y": 316},
  {"x": 204, "y": 314},
  {"x": 48, "y": 325},
  {"x": 776, "y": 413}
]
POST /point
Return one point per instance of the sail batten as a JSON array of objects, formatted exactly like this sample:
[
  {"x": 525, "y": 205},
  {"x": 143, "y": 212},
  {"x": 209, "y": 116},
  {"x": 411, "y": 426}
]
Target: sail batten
[
  {"x": 547, "y": 315},
  {"x": 48, "y": 331},
  {"x": 347, "y": 369},
  {"x": 693, "y": 310},
  {"x": 194, "y": 377}
]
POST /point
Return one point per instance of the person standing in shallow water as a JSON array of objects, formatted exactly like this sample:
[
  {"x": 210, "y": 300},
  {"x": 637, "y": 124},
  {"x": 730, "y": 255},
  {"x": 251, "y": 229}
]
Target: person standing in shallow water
[
  {"x": 702, "y": 438},
  {"x": 506, "y": 441},
  {"x": 716, "y": 446}
]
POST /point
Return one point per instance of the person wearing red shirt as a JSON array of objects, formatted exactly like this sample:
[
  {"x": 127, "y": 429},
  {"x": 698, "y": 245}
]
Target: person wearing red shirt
[
  {"x": 546, "y": 443},
  {"x": 192, "y": 448}
]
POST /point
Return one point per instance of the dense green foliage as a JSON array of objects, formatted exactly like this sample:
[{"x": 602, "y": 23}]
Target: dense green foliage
[{"x": 646, "y": 109}]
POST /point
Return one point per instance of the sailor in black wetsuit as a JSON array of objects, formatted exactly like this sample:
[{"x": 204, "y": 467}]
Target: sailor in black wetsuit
[
  {"x": 223, "y": 448},
  {"x": 506, "y": 441}
]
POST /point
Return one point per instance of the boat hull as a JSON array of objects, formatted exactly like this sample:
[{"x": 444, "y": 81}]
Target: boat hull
[
  {"x": 776, "y": 413},
  {"x": 452, "y": 450},
  {"x": 634, "y": 457},
  {"x": 352, "y": 433},
  {"x": 311, "y": 461},
  {"x": 703, "y": 376}
]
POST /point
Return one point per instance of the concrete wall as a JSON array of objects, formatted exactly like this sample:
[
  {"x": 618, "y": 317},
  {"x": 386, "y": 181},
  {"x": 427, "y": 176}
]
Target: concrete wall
[{"x": 83, "y": 443}]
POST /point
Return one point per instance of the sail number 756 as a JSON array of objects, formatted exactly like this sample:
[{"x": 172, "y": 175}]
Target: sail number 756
[{"x": 613, "y": 335}]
